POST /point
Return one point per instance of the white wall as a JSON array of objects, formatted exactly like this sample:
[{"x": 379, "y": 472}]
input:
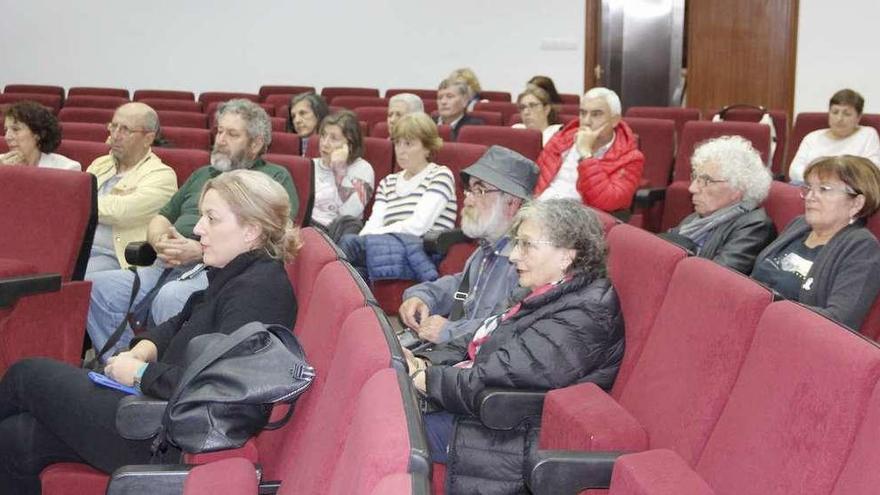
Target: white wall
[
  {"x": 238, "y": 46},
  {"x": 837, "y": 48}
]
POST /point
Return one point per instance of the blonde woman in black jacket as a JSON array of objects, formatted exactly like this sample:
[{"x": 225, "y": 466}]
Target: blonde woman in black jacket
[{"x": 568, "y": 328}]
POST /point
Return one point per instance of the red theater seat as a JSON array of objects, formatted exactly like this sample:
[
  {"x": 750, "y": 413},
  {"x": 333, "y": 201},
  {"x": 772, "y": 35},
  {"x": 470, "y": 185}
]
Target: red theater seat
[
  {"x": 317, "y": 251},
  {"x": 91, "y": 115},
  {"x": 424, "y": 94},
  {"x": 92, "y": 101},
  {"x": 372, "y": 116},
  {"x": 780, "y": 127},
  {"x": 182, "y": 119},
  {"x": 284, "y": 143},
  {"x": 164, "y": 94},
  {"x": 657, "y": 143},
  {"x": 352, "y": 102},
  {"x": 187, "y": 137},
  {"x": 35, "y": 89},
  {"x": 288, "y": 91},
  {"x": 677, "y": 114},
  {"x": 489, "y": 118},
  {"x": 332, "y": 92},
  {"x": 183, "y": 161},
  {"x": 526, "y": 142},
  {"x": 495, "y": 95},
  {"x": 570, "y": 99},
  {"x": 50, "y": 101},
  {"x": 380, "y": 130},
  {"x": 783, "y": 204},
  {"x": 85, "y": 152},
  {"x": 84, "y": 131},
  {"x": 790, "y": 395},
  {"x": 209, "y": 97},
  {"x": 179, "y": 105},
  {"x": 92, "y": 91},
  {"x": 505, "y": 108},
  {"x": 300, "y": 169}
]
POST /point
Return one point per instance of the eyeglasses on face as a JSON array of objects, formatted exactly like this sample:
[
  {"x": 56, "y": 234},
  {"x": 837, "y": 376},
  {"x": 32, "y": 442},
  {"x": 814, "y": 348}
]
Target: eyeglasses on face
[
  {"x": 526, "y": 245},
  {"x": 704, "y": 180},
  {"x": 123, "y": 129},
  {"x": 480, "y": 191},
  {"x": 822, "y": 190}
]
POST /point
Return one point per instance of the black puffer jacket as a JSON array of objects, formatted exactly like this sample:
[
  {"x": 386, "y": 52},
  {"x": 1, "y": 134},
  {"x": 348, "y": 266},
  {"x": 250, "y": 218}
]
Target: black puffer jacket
[{"x": 573, "y": 333}]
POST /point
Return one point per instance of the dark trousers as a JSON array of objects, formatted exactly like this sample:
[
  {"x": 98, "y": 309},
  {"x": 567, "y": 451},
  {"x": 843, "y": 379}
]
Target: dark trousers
[
  {"x": 51, "y": 412},
  {"x": 438, "y": 428}
]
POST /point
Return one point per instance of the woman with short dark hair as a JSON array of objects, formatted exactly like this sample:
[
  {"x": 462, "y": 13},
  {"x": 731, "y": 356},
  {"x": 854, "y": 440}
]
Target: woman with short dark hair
[
  {"x": 844, "y": 135},
  {"x": 32, "y": 134}
]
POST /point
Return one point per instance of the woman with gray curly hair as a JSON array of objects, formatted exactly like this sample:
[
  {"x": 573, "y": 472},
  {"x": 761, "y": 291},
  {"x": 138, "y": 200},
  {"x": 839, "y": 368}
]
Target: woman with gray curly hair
[
  {"x": 565, "y": 328},
  {"x": 728, "y": 182}
]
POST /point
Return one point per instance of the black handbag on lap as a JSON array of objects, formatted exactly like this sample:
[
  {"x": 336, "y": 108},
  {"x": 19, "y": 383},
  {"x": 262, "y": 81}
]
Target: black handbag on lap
[{"x": 227, "y": 390}]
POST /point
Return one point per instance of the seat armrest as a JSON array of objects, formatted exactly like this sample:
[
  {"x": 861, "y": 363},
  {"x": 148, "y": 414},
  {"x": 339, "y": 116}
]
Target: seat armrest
[
  {"x": 439, "y": 241},
  {"x": 645, "y": 198},
  {"x": 569, "y": 472},
  {"x": 155, "y": 479},
  {"x": 140, "y": 254},
  {"x": 504, "y": 409},
  {"x": 13, "y": 288},
  {"x": 139, "y": 417}
]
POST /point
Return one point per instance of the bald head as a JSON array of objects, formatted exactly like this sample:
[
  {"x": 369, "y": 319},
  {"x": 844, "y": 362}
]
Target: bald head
[{"x": 141, "y": 114}]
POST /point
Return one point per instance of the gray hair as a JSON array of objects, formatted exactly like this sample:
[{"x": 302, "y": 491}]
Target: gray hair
[
  {"x": 610, "y": 97},
  {"x": 257, "y": 122},
  {"x": 739, "y": 163},
  {"x": 458, "y": 85},
  {"x": 413, "y": 102},
  {"x": 569, "y": 224}
]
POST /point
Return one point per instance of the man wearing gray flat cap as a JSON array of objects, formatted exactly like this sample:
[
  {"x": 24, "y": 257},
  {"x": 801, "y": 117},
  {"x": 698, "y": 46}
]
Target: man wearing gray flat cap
[{"x": 495, "y": 187}]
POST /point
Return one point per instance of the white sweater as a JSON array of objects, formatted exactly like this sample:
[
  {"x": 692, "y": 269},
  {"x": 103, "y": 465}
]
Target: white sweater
[{"x": 864, "y": 142}]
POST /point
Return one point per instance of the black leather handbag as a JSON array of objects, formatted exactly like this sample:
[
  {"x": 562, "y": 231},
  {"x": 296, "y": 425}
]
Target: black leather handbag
[{"x": 226, "y": 393}]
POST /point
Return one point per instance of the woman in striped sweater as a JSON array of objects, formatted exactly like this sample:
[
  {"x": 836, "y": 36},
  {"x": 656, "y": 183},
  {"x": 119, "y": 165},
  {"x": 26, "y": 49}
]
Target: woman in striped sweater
[{"x": 419, "y": 198}]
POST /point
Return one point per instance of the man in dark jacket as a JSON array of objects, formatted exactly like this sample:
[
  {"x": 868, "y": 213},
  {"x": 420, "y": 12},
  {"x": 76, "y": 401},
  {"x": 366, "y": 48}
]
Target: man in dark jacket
[
  {"x": 728, "y": 182},
  {"x": 452, "y": 101}
]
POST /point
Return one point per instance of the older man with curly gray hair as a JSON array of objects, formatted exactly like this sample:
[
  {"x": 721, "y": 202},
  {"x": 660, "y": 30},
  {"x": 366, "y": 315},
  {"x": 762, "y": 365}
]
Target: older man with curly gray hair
[
  {"x": 244, "y": 132},
  {"x": 728, "y": 183}
]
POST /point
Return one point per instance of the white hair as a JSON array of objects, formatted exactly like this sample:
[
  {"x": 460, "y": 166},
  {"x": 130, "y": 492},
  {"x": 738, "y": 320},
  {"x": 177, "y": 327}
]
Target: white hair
[
  {"x": 739, "y": 163},
  {"x": 610, "y": 97},
  {"x": 413, "y": 102}
]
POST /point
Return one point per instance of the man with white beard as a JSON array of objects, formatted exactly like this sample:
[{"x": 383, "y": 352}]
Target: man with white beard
[
  {"x": 244, "y": 132},
  {"x": 454, "y": 305}
]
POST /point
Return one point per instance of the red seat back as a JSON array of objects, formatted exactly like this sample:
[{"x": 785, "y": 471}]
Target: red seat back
[
  {"x": 380, "y": 153},
  {"x": 380, "y": 130},
  {"x": 49, "y": 218},
  {"x": 187, "y": 137},
  {"x": 526, "y": 142},
  {"x": 288, "y": 91},
  {"x": 93, "y": 115},
  {"x": 424, "y": 94},
  {"x": 640, "y": 266},
  {"x": 209, "y": 97},
  {"x": 92, "y": 91},
  {"x": 183, "y": 161},
  {"x": 489, "y": 118},
  {"x": 84, "y": 131},
  {"x": 284, "y": 143},
  {"x": 85, "y": 152},
  {"x": 52, "y": 102},
  {"x": 570, "y": 99},
  {"x": 693, "y": 354},
  {"x": 371, "y": 115},
  {"x": 317, "y": 251},
  {"x": 178, "y": 105},
  {"x": 791, "y": 400},
  {"x": 505, "y": 108},
  {"x": 329, "y": 93},
  {"x": 459, "y": 156},
  {"x": 679, "y": 115},
  {"x": 352, "y": 102},
  {"x": 174, "y": 118},
  {"x": 301, "y": 170},
  {"x": 657, "y": 143},
  {"x": 780, "y": 126},
  {"x": 495, "y": 95},
  {"x": 860, "y": 475},
  {"x": 93, "y": 101},
  {"x": 165, "y": 94},
  {"x": 783, "y": 204},
  {"x": 37, "y": 89}
]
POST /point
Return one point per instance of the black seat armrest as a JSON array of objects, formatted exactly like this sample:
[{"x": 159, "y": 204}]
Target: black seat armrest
[
  {"x": 139, "y": 417},
  {"x": 504, "y": 409},
  {"x": 155, "y": 479},
  {"x": 569, "y": 472},
  {"x": 13, "y": 288},
  {"x": 140, "y": 254},
  {"x": 645, "y": 198},
  {"x": 439, "y": 241}
]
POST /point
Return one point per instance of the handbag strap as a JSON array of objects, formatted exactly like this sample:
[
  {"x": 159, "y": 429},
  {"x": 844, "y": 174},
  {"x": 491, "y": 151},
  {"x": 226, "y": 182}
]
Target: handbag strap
[
  {"x": 117, "y": 334},
  {"x": 460, "y": 296}
]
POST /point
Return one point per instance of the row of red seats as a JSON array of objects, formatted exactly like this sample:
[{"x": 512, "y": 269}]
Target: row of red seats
[
  {"x": 721, "y": 390},
  {"x": 329, "y": 93},
  {"x": 356, "y": 430}
]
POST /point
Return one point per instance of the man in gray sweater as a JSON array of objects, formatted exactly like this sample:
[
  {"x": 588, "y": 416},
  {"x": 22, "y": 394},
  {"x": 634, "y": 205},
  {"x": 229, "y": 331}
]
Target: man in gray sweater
[{"x": 496, "y": 186}]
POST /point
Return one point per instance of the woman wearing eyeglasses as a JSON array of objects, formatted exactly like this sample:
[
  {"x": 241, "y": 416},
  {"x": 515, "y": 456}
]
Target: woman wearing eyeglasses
[
  {"x": 32, "y": 134},
  {"x": 827, "y": 259},
  {"x": 564, "y": 327},
  {"x": 537, "y": 112},
  {"x": 728, "y": 183}
]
